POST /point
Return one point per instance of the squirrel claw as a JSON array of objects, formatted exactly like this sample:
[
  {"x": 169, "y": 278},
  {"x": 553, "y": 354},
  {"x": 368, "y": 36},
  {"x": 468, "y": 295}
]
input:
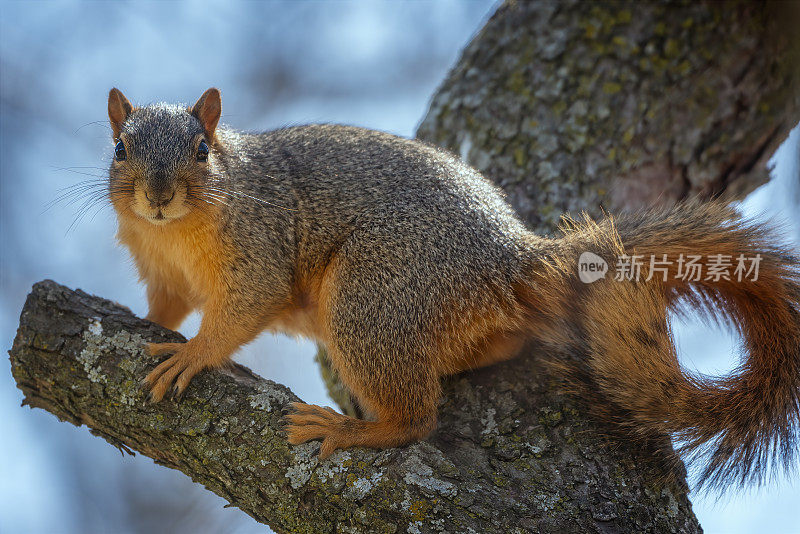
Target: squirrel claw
[
  {"x": 307, "y": 422},
  {"x": 159, "y": 349},
  {"x": 177, "y": 392},
  {"x": 172, "y": 375}
]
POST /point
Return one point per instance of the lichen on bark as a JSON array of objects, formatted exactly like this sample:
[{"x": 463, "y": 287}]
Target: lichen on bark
[
  {"x": 574, "y": 106},
  {"x": 508, "y": 456}
]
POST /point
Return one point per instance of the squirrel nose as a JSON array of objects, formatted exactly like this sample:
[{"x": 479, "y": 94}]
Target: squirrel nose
[{"x": 159, "y": 199}]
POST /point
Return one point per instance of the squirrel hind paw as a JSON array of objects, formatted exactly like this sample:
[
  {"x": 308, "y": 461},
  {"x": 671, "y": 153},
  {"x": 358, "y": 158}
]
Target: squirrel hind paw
[
  {"x": 308, "y": 422},
  {"x": 339, "y": 431},
  {"x": 160, "y": 349}
]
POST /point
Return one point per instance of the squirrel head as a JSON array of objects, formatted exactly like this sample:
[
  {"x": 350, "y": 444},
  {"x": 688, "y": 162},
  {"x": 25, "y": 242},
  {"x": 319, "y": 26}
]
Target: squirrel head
[{"x": 164, "y": 156}]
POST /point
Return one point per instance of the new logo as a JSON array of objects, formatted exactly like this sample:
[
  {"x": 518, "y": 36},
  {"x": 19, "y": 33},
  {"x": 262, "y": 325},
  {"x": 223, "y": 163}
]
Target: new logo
[{"x": 591, "y": 267}]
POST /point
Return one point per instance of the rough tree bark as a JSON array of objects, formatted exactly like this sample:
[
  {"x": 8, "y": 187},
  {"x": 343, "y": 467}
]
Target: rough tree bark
[
  {"x": 497, "y": 463},
  {"x": 568, "y": 106},
  {"x": 573, "y": 106}
]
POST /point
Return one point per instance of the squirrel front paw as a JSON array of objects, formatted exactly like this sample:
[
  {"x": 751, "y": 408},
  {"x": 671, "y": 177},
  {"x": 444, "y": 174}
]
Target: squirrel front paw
[{"x": 176, "y": 371}]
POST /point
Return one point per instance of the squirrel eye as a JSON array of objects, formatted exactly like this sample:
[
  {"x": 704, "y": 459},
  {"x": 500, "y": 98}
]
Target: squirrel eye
[
  {"x": 119, "y": 151},
  {"x": 202, "y": 151}
]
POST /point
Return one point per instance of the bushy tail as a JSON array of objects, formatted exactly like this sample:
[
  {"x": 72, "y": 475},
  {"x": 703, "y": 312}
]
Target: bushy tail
[{"x": 744, "y": 424}]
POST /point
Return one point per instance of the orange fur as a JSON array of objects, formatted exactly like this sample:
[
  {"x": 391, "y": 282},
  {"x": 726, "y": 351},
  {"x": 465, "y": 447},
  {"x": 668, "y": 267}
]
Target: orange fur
[
  {"x": 494, "y": 348},
  {"x": 183, "y": 265},
  {"x": 185, "y": 256},
  {"x": 340, "y": 431},
  {"x": 305, "y": 312}
]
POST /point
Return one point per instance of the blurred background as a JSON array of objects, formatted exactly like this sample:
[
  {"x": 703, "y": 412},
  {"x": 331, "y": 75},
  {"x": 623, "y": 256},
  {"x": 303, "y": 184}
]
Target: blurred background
[{"x": 373, "y": 64}]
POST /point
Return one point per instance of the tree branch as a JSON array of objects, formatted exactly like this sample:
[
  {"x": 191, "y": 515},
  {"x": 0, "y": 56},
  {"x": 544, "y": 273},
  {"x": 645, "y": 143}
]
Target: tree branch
[{"x": 507, "y": 457}]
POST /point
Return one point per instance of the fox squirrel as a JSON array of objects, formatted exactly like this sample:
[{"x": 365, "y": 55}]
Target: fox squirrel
[{"x": 408, "y": 265}]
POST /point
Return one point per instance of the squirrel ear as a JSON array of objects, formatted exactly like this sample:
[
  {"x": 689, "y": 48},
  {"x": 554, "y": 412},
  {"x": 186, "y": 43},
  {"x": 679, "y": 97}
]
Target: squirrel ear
[
  {"x": 207, "y": 110},
  {"x": 118, "y": 110}
]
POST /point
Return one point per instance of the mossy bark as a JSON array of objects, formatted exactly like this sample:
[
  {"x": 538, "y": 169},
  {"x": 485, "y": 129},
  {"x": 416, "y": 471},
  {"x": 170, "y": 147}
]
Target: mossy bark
[
  {"x": 574, "y": 106},
  {"x": 509, "y": 455}
]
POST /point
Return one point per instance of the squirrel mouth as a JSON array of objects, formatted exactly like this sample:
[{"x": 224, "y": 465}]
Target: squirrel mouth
[{"x": 159, "y": 216}]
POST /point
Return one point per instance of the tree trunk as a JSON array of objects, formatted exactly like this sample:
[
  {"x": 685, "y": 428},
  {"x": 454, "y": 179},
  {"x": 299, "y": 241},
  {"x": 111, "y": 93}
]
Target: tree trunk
[
  {"x": 577, "y": 106},
  {"x": 569, "y": 106}
]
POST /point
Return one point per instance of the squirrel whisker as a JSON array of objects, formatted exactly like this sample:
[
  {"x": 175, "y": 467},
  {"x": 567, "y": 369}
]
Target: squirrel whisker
[
  {"x": 250, "y": 197},
  {"x": 77, "y": 192}
]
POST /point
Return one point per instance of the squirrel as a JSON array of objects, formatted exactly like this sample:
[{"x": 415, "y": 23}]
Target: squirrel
[{"x": 408, "y": 265}]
